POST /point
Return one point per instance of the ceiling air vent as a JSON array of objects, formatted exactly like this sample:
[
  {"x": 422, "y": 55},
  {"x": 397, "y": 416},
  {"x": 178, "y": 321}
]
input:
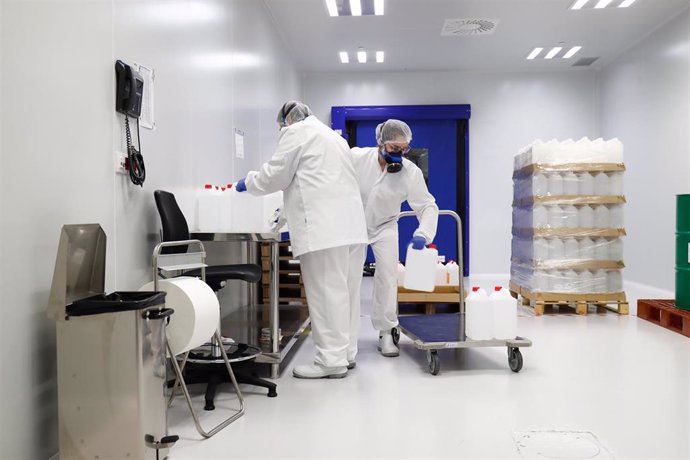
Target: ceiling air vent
[
  {"x": 584, "y": 62},
  {"x": 471, "y": 26}
]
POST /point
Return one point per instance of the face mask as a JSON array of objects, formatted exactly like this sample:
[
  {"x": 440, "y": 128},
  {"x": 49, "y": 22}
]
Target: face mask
[{"x": 393, "y": 159}]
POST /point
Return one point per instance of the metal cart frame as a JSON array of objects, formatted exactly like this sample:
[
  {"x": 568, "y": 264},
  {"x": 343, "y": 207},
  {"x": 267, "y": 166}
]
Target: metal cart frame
[
  {"x": 188, "y": 261},
  {"x": 432, "y": 347}
]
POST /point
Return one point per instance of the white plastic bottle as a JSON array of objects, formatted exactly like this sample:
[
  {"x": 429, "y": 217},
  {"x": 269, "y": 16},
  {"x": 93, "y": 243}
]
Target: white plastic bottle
[
  {"x": 452, "y": 273},
  {"x": 572, "y": 249},
  {"x": 601, "y": 249},
  {"x": 601, "y": 216},
  {"x": 616, "y": 183},
  {"x": 570, "y": 183},
  {"x": 601, "y": 184},
  {"x": 586, "y": 184},
  {"x": 571, "y": 281},
  {"x": 585, "y": 217},
  {"x": 505, "y": 314},
  {"x": 556, "y": 249},
  {"x": 586, "y": 282},
  {"x": 479, "y": 315},
  {"x": 616, "y": 216},
  {"x": 541, "y": 249},
  {"x": 556, "y": 281},
  {"x": 555, "y": 184},
  {"x": 420, "y": 268},
  {"x": 570, "y": 216},
  {"x": 540, "y": 184},
  {"x": 540, "y": 217},
  {"x": 600, "y": 281},
  {"x": 440, "y": 274},
  {"x": 616, "y": 250},
  {"x": 556, "y": 217},
  {"x": 614, "y": 281},
  {"x": 587, "y": 248},
  {"x": 401, "y": 274}
]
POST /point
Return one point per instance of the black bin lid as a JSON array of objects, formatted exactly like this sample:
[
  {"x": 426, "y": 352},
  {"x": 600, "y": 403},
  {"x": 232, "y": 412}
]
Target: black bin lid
[{"x": 116, "y": 302}]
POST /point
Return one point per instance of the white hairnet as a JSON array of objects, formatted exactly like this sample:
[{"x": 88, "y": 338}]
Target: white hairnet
[
  {"x": 292, "y": 112},
  {"x": 393, "y": 132}
]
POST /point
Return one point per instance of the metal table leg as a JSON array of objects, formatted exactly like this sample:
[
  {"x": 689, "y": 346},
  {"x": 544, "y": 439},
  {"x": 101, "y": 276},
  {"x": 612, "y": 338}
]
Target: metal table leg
[{"x": 273, "y": 311}]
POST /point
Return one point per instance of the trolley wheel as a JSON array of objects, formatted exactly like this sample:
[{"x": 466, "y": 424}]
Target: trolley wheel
[
  {"x": 434, "y": 362},
  {"x": 514, "y": 359},
  {"x": 395, "y": 332}
]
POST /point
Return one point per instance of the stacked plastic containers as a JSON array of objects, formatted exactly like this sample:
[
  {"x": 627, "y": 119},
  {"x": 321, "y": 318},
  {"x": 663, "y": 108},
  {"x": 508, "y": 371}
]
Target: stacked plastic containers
[
  {"x": 222, "y": 208},
  {"x": 568, "y": 217},
  {"x": 491, "y": 316}
]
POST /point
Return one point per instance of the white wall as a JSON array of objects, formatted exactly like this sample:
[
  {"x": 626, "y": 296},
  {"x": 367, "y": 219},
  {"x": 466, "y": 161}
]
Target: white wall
[
  {"x": 509, "y": 110},
  {"x": 645, "y": 101},
  {"x": 219, "y": 65}
]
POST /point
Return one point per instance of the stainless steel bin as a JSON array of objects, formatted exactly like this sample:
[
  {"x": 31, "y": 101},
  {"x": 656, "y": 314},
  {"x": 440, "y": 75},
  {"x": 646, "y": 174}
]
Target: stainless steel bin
[{"x": 111, "y": 357}]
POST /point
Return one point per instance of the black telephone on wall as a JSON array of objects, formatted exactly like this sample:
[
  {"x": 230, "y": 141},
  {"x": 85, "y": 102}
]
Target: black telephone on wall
[
  {"x": 130, "y": 89},
  {"x": 128, "y": 97}
]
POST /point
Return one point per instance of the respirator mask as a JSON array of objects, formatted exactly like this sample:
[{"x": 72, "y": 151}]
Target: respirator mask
[{"x": 393, "y": 159}]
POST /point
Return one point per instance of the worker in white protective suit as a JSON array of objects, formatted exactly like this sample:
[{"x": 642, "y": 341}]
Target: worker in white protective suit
[
  {"x": 386, "y": 180},
  {"x": 313, "y": 167}
]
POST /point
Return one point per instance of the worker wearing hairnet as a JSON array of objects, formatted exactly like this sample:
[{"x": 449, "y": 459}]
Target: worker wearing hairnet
[
  {"x": 386, "y": 180},
  {"x": 313, "y": 166}
]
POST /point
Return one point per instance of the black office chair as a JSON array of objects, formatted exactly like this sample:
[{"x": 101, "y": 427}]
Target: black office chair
[{"x": 175, "y": 228}]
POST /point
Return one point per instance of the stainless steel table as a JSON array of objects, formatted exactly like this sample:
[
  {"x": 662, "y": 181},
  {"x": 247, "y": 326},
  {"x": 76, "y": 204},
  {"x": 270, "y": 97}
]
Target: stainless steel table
[{"x": 248, "y": 321}]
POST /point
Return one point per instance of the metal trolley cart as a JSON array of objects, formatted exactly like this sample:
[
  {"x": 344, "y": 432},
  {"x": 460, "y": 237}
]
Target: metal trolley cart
[{"x": 435, "y": 332}]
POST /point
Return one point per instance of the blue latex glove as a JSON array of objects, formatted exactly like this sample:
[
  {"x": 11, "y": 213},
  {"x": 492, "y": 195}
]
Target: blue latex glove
[
  {"x": 240, "y": 186},
  {"x": 418, "y": 242}
]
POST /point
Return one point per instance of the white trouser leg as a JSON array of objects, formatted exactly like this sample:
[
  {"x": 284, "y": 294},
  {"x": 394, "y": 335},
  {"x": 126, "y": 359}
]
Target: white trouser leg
[
  {"x": 358, "y": 254},
  {"x": 325, "y": 276},
  {"x": 385, "y": 311}
]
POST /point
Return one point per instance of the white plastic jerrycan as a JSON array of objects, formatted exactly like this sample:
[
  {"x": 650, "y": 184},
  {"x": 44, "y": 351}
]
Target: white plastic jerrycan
[
  {"x": 441, "y": 274},
  {"x": 479, "y": 315},
  {"x": 453, "y": 273},
  {"x": 505, "y": 313},
  {"x": 420, "y": 268}
]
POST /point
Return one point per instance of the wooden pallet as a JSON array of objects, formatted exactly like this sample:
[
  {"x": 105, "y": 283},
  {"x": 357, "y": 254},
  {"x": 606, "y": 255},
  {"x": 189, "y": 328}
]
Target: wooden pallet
[
  {"x": 665, "y": 314},
  {"x": 615, "y": 302},
  {"x": 441, "y": 294}
]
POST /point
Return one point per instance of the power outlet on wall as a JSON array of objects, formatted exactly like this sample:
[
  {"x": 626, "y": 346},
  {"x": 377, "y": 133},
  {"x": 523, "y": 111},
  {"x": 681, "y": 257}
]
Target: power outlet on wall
[{"x": 121, "y": 166}]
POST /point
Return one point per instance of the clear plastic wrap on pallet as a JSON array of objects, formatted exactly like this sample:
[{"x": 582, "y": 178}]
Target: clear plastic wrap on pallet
[
  {"x": 565, "y": 251},
  {"x": 585, "y": 150},
  {"x": 568, "y": 183},
  {"x": 569, "y": 281},
  {"x": 570, "y": 216}
]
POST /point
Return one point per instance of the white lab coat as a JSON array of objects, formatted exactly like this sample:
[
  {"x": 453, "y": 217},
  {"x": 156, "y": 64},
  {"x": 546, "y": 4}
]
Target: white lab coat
[
  {"x": 382, "y": 194},
  {"x": 313, "y": 167}
]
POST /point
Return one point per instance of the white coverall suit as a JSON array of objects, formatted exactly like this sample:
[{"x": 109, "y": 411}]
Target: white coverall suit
[
  {"x": 382, "y": 194},
  {"x": 313, "y": 166}
]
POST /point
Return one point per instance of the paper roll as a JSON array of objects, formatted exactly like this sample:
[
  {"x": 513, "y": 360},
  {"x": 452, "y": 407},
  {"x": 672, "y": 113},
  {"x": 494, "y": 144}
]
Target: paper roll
[{"x": 197, "y": 312}]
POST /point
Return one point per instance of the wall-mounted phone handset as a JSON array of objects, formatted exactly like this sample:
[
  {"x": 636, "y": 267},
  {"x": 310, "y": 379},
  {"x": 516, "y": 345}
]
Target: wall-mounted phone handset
[{"x": 128, "y": 97}]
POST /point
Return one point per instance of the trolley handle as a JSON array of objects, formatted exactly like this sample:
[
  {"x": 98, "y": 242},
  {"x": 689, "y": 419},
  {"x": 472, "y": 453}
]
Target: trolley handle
[{"x": 454, "y": 215}]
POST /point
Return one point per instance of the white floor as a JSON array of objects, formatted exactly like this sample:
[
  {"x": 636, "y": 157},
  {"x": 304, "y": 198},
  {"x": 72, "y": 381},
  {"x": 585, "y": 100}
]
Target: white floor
[{"x": 601, "y": 386}]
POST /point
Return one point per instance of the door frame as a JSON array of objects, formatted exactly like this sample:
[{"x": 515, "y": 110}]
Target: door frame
[{"x": 341, "y": 115}]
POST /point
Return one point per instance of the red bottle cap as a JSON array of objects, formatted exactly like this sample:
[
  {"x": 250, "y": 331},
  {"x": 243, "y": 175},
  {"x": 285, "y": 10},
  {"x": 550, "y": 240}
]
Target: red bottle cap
[
  {"x": 229, "y": 186},
  {"x": 475, "y": 289},
  {"x": 497, "y": 288},
  {"x": 222, "y": 189},
  {"x": 208, "y": 186},
  {"x": 432, "y": 246}
]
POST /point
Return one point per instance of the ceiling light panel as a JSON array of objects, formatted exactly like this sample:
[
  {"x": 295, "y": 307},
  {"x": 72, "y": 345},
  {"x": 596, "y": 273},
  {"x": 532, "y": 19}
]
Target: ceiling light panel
[
  {"x": 362, "y": 56},
  {"x": 600, "y": 4},
  {"x": 535, "y": 52},
  {"x": 554, "y": 51},
  {"x": 572, "y": 52},
  {"x": 379, "y": 57},
  {"x": 355, "y": 7},
  {"x": 344, "y": 57}
]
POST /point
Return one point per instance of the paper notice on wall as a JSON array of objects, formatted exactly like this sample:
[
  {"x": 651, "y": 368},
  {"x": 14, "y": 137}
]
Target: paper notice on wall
[
  {"x": 239, "y": 144},
  {"x": 146, "y": 119}
]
